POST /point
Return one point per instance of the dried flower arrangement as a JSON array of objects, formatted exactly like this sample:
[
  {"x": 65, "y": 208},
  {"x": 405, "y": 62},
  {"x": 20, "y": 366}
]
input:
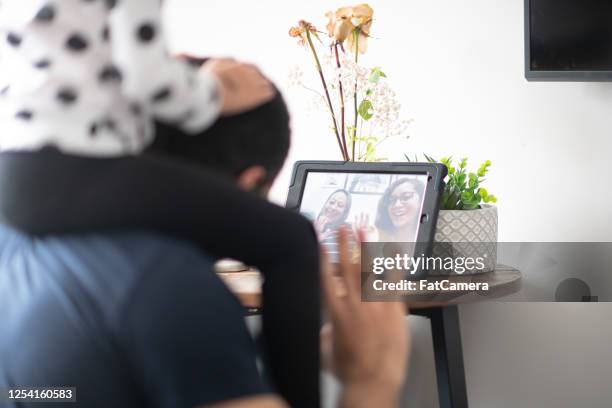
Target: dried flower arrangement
[{"x": 374, "y": 112}]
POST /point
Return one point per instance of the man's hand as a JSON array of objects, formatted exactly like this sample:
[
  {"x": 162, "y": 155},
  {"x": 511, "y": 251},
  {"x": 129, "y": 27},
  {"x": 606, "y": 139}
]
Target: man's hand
[
  {"x": 241, "y": 86},
  {"x": 366, "y": 343}
]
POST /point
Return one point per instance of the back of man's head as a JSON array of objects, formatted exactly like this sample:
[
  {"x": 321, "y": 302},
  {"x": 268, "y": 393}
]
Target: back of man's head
[{"x": 259, "y": 137}]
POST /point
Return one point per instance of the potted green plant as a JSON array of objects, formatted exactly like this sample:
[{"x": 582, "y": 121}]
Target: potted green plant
[{"x": 467, "y": 222}]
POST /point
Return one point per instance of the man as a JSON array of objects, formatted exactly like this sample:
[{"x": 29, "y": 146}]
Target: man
[{"x": 135, "y": 319}]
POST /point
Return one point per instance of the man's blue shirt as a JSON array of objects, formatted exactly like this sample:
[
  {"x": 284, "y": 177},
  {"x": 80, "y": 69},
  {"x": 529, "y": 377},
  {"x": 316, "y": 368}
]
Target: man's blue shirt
[{"x": 129, "y": 319}]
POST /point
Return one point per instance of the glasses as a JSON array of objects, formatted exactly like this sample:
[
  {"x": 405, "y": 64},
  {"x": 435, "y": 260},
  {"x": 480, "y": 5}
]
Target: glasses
[{"x": 403, "y": 199}]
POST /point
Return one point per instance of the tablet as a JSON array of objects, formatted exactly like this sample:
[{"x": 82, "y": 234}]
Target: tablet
[{"x": 390, "y": 202}]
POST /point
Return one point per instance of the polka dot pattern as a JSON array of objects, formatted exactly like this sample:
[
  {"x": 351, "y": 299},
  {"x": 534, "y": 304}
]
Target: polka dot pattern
[
  {"x": 110, "y": 123},
  {"x": 25, "y": 115},
  {"x": 13, "y": 39},
  {"x": 161, "y": 95},
  {"x": 93, "y": 130},
  {"x": 77, "y": 42},
  {"x": 67, "y": 96},
  {"x": 45, "y": 14},
  {"x": 136, "y": 109},
  {"x": 125, "y": 88},
  {"x": 43, "y": 63},
  {"x": 110, "y": 73},
  {"x": 105, "y": 33},
  {"x": 146, "y": 32}
]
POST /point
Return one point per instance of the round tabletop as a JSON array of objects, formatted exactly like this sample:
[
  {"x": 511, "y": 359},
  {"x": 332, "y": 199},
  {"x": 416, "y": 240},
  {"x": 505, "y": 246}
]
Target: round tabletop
[{"x": 503, "y": 281}]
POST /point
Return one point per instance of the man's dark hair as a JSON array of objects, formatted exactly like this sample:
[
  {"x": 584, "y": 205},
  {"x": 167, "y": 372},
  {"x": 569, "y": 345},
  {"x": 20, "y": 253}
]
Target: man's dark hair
[{"x": 259, "y": 137}]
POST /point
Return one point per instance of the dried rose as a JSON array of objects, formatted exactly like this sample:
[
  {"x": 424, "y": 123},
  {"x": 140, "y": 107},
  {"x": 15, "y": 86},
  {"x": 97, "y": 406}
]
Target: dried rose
[
  {"x": 362, "y": 16},
  {"x": 301, "y": 29},
  {"x": 338, "y": 28},
  {"x": 351, "y": 24}
]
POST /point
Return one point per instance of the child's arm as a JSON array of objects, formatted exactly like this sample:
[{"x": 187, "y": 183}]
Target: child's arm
[{"x": 170, "y": 89}]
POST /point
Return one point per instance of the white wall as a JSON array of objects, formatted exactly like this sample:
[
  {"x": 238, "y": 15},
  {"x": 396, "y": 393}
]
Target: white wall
[{"x": 458, "y": 67}]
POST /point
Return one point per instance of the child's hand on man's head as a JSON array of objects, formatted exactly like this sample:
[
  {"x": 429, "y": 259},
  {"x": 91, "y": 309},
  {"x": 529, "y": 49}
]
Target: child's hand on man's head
[{"x": 242, "y": 87}]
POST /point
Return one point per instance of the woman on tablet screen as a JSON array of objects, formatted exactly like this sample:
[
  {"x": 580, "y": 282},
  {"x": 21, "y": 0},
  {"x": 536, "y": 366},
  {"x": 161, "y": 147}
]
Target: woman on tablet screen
[
  {"x": 398, "y": 211},
  {"x": 333, "y": 214},
  {"x": 397, "y": 215}
]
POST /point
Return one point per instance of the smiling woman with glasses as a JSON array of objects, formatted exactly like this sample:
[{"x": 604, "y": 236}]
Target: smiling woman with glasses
[{"x": 398, "y": 211}]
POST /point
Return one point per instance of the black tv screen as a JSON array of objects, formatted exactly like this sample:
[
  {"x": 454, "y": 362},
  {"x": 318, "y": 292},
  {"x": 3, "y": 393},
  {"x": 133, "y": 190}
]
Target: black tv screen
[{"x": 568, "y": 40}]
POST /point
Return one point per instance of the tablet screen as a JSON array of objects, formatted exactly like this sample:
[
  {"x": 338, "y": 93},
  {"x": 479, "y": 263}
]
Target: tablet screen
[{"x": 387, "y": 206}]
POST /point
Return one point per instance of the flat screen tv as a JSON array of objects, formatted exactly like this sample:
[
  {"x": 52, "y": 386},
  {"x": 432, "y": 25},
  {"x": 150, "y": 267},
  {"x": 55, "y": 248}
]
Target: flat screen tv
[{"x": 568, "y": 40}]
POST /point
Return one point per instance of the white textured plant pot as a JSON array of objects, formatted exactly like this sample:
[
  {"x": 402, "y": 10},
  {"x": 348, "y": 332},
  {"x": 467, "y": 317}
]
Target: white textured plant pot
[{"x": 467, "y": 234}]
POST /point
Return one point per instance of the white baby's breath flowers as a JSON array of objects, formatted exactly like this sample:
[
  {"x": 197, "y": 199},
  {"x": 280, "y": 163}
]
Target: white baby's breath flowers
[
  {"x": 386, "y": 119},
  {"x": 295, "y": 76}
]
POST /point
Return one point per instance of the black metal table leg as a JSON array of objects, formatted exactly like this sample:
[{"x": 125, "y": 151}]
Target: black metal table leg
[{"x": 448, "y": 354}]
